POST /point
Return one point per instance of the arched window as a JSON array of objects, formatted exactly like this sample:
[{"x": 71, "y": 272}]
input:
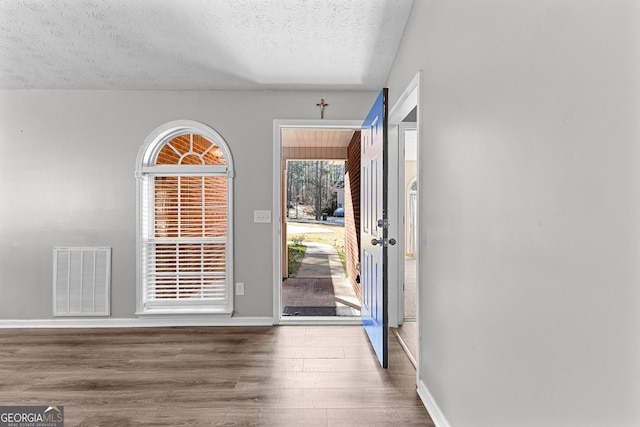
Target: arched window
[{"x": 185, "y": 242}]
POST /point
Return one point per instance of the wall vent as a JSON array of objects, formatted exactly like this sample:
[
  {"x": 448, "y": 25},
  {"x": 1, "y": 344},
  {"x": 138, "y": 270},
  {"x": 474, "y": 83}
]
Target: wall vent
[{"x": 81, "y": 281}]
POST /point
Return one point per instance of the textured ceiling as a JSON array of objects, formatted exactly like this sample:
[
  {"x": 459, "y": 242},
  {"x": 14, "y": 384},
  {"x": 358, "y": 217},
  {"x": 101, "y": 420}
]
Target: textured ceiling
[{"x": 199, "y": 44}]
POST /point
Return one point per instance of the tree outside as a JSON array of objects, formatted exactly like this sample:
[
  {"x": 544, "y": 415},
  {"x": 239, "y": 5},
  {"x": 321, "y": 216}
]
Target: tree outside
[{"x": 311, "y": 188}]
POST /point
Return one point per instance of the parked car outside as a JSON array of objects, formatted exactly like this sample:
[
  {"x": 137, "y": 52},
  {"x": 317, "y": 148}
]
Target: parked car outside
[{"x": 338, "y": 212}]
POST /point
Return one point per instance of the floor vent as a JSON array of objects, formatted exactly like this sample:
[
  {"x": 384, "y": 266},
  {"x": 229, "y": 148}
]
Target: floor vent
[{"x": 81, "y": 281}]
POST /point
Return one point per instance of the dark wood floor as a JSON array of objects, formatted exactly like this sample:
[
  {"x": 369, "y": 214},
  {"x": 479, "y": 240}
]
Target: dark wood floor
[{"x": 234, "y": 376}]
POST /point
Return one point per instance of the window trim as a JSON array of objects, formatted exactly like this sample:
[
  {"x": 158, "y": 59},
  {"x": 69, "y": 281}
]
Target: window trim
[{"x": 145, "y": 167}]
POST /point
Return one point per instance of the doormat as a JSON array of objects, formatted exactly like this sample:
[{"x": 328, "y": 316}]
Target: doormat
[{"x": 308, "y": 311}]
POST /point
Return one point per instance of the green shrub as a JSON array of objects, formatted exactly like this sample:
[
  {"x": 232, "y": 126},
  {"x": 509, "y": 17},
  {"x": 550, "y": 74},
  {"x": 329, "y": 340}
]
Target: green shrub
[{"x": 295, "y": 255}]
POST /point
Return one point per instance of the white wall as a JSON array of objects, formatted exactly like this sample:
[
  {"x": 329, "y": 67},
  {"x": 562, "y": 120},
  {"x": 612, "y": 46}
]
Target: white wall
[
  {"x": 529, "y": 297},
  {"x": 67, "y": 163}
]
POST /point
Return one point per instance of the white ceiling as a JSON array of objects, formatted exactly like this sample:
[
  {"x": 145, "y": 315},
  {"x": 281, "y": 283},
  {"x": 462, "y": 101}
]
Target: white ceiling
[{"x": 199, "y": 44}]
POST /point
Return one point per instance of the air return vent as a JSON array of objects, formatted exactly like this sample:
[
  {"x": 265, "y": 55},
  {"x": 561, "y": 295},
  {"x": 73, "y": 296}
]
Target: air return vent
[{"x": 81, "y": 281}]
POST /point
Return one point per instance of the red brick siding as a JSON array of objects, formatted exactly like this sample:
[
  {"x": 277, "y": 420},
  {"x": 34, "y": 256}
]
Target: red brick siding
[{"x": 352, "y": 212}]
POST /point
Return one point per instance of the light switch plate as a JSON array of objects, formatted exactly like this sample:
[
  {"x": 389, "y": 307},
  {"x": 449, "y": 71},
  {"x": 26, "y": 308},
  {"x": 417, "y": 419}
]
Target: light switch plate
[
  {"x": 239, "y": 288},
  {"x": 263, "y": 217}
]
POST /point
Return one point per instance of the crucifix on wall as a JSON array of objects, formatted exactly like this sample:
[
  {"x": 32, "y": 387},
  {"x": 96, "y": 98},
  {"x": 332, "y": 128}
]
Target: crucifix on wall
[{"x": 322, "y": 104}]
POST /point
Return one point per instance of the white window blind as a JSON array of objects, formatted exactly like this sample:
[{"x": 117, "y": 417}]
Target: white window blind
[{"x": 185, "y": 255}]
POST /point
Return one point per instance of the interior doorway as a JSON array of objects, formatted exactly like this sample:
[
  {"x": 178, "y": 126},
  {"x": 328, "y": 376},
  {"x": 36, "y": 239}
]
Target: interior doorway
[
  {"x": 405, "y": 127},
  {"x": 318, "y": 252},
  {"x": 409, "y": 184},
  {"x": 407, "y": 330}
]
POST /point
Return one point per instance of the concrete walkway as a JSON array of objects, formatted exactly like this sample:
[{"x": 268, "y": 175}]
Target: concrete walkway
[
  {"x": 320, "y": 260},
  {"x": 320, "y": 282}
]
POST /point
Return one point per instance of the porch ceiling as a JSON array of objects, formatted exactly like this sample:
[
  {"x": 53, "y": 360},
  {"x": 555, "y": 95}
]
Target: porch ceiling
[{"x": 315, "y": 144}]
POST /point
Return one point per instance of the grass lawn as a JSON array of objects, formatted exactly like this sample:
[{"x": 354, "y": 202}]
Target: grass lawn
[{"x": 331, "y": 234}]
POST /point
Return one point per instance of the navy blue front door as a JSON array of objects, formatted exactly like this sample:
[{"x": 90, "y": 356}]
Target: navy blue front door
[{"x": 373, "y": 227}]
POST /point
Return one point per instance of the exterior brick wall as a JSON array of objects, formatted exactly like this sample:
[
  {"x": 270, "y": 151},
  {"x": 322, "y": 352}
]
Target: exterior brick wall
[{"x": 352, "y": 212}]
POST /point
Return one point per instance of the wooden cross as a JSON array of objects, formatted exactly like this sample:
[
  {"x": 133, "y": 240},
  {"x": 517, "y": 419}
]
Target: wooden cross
[{"x": 322, "y": 104}]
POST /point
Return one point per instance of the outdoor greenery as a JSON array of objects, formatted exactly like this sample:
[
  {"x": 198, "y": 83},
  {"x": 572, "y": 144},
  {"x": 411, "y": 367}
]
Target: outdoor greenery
[
  {"x": 313, "y": 184},
  {"x": 296, "y": 253}
]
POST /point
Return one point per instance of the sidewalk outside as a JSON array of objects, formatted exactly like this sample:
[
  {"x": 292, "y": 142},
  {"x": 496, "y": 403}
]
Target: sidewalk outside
[{"x": 320, "y": 282}]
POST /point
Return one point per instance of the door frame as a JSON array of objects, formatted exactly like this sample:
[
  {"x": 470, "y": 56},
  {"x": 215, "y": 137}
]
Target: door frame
[
  {"x": 402, "y": 215},
  {"x": 408, "y": 100},
  {"x": 277, "y": 216}
]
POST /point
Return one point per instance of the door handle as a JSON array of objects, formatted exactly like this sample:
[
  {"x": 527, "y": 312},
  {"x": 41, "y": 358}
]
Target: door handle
[{"x": 382, "y": 242}]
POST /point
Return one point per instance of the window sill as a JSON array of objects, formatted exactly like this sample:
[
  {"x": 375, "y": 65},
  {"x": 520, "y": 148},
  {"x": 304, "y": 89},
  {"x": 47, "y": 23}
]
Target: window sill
[{"x": 165, "y": 312}]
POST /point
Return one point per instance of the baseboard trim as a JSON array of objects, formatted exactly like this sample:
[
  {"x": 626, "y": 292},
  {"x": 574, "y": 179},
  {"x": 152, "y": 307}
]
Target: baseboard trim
[
  {"x": 163, "y": 321},
  {"x": 432, "y": 407},
  {"x": 404, "y": 346}
]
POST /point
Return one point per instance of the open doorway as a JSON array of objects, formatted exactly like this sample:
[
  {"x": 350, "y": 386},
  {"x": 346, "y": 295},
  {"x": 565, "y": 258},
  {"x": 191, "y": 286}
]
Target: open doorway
[
  {"x": 319, "y": 222},
  {"x": 407, "y": 330},
  {"x": 409, "y": 185},
  {"x": 317, "y": 280},
  {"x": 404, "y": 125}
]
